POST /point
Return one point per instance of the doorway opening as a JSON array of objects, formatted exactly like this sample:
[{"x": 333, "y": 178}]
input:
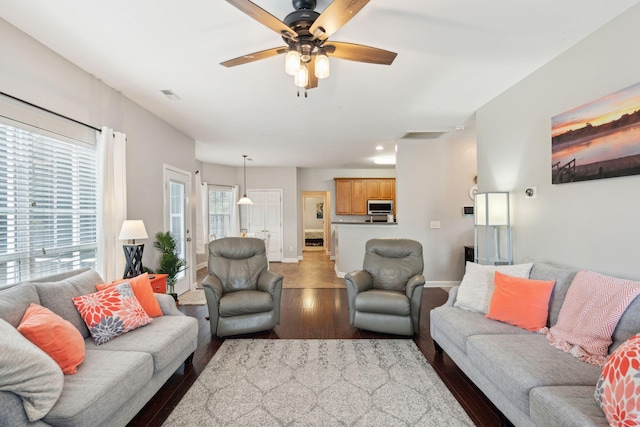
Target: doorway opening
[{"x": 316, "y": 221}]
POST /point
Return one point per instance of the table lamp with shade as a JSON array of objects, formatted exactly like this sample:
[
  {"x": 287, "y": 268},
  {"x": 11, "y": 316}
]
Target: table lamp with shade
[
  {"x": 492, "y": 226},
  {"x": 132, "y": 230}
]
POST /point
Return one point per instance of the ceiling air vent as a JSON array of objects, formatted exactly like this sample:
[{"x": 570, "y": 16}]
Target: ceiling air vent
[
  {"x": 170, "y": 94},
  {"x": 423, "y": 135}
]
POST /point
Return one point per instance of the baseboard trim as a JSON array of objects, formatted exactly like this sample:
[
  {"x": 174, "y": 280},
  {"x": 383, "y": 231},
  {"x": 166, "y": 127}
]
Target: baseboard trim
[
  {"x": 290, "y": 260},
  {"x": 441, "y": 283}
]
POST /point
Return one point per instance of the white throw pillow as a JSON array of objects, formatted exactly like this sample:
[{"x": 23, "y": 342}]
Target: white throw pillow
[
  {"x": 476, "y": 289},
  {"x": 28, "y": 372}
]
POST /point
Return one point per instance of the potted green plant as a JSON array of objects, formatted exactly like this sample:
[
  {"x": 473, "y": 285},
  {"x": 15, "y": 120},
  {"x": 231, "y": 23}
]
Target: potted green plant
[{"x": 170, "y": 263}]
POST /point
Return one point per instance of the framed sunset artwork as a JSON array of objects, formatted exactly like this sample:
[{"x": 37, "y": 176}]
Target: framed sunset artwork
[{"x": 597, "y": 140}]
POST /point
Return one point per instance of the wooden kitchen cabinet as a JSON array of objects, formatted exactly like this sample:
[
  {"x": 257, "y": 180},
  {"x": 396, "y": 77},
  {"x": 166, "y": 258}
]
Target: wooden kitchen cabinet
[
  {"x": 343, "y": 196},
  {"x": 387, "y": 189},
  {"x": 381, "y": 189},
  {"x": 352, "y": 193},
  {"x": 359, "y": 197},
  {"x": 373, "y": 189}
]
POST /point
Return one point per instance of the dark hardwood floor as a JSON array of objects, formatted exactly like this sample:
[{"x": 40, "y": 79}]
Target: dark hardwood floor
[{"x": 310, "y": 313}]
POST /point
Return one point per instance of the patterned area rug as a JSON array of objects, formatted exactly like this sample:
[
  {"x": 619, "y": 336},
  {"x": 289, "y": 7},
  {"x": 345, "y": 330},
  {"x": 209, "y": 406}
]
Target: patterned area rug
[
  {"x": 253, "y": 382},
  {"x": 193, "y": 297}
]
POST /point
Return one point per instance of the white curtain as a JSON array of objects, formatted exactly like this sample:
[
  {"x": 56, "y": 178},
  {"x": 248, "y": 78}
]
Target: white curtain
[
  {"x": 202, "y": 237},
  {"x": 112, "y": 202},
  {"x": 235, "y": 219}
]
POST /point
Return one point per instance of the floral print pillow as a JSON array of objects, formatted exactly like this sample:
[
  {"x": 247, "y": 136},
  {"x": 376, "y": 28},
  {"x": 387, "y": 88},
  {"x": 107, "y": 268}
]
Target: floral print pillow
[
  {"x": 111, "y": 312},
  {"x": 618, "y": 388}
]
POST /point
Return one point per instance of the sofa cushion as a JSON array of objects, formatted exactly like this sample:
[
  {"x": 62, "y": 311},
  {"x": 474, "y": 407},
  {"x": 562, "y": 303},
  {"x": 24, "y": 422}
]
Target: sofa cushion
[
  {"x": 57, "y": 296},
  {"x": 517, "y": 363},
  {"x": 590, "y": 313},
  {"x": 386, "y": 302},
  {"x": 458, "y": 325},
  {"x": 520, "y": 302},
  {"x": 15, "y": 300},
  {"x": 563, "y": 278},
  {"x": 571, "y": 406},
  {"x": 28, "y": 372},
  {"x": 628, "y": 325},
  {"x": 618, "y": 388},
  {"x": 245, "y": 302},
  {"x": 104, "y": 382},
  {"x": 476, "y": 288},
  {"x": 143, "y": 291},
  {"x": 55, "y": 336},
  {"x": 164, "y": 340},
  {"x": 111, "y": 312}
]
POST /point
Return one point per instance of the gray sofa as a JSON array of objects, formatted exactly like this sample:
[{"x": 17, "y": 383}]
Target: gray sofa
[
  {"x": 531, "y": 382},
  {"x": 116, "y": 379}
]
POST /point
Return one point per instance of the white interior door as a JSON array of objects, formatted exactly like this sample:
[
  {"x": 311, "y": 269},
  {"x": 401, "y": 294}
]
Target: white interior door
[
  {"x": 177, "y": 188},
  {"x": 265, "y": 220}
]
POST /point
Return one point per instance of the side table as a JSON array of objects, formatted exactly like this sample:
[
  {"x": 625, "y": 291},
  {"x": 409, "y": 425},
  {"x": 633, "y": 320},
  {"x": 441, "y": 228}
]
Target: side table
[{"x": 158, "y": 283}]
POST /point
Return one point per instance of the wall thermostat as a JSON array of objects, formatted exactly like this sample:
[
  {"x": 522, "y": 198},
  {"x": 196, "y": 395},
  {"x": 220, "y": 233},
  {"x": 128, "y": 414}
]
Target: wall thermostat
[{"x": 467, "y": 210}]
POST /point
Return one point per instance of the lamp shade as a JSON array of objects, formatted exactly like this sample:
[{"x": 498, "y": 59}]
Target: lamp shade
[
  {"x": 292, "y": 62},
  {"x": 133, "y": 229},
  {"x": 322, "y": 65},
  {"x": 301, "y": 78},
  {"x": 491, "y": 208},
  {"x": 245, "y": 201}
]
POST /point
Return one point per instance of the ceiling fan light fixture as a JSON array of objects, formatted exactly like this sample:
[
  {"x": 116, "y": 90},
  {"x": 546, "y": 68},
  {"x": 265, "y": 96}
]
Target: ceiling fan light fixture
[
  {"x": 292, "y": 62},
  {"x": 322, "y": 68},
  {"x": 301, "y": 78}
]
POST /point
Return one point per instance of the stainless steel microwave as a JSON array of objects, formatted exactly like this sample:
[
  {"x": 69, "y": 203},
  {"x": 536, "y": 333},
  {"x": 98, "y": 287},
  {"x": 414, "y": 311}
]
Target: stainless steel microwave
[{"x": 379, "y": 207}]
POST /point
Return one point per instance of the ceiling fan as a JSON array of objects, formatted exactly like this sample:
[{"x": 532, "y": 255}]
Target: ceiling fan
[{"x": 306, "y": 34}]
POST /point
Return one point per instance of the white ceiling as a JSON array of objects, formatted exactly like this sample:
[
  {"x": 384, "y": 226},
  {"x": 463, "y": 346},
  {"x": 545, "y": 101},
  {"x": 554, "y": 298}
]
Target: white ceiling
[{"x": 453, "y": 57}]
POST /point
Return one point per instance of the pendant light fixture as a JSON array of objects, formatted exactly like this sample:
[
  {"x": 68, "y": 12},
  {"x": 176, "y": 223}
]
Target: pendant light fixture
[{"x": 245, "y": 200}]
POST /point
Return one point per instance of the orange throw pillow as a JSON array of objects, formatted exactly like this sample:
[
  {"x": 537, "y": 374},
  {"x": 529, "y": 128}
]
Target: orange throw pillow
[
  {"x": 141, "y": 286},
  {"x": 54, "y": 335},
  {"x": 520, "y": 302}
]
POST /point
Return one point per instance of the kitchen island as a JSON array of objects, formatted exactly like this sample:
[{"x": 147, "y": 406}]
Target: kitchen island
[{"x": 350, "y": 239}]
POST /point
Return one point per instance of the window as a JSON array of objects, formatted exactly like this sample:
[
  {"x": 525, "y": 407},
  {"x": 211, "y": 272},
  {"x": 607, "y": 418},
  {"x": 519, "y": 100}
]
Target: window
[
  {"x": 47, "y": 203},
  {"x": 221, "y": 209}
]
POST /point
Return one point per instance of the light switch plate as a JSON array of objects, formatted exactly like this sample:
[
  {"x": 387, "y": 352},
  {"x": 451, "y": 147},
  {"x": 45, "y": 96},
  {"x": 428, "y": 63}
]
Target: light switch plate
[{"x": 435, "y": 224}]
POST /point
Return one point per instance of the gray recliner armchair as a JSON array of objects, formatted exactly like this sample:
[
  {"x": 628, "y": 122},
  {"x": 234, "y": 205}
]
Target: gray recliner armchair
[
  {"x": 243, "y": 296},
  {"x": 385, "y": 296}
]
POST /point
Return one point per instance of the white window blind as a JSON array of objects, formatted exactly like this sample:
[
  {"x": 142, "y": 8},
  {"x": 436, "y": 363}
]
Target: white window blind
[
  {"x": 48, "y": 203},
  {"x": 221, "y": 206}
]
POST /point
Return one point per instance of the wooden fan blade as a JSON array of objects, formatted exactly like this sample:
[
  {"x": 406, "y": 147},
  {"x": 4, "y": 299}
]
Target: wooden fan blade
[
  {"x": 335, "y": 16},
  {"x": 264, "y": 17},
  {"x": 360, "y": 53},
  {"x": 313, "y": 80},
  {"x": 263, "y": 54}
]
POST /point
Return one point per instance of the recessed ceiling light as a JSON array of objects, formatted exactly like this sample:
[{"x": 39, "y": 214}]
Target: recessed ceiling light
[
  {"x": 385, "y": 160},
  {"x": 379, "y": 148}
]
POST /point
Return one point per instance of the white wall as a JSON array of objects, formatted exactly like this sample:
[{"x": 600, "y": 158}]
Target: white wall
[
  {"x": 433, "y": 181},
  {"x": 593, "y": 224},
  {"x": 34, "y": 73}
]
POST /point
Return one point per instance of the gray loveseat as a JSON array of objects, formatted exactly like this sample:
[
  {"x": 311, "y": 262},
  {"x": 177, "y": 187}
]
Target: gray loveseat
[
  {"x": 116, "y": 379},
  {"x": 530, "y": 381}
]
